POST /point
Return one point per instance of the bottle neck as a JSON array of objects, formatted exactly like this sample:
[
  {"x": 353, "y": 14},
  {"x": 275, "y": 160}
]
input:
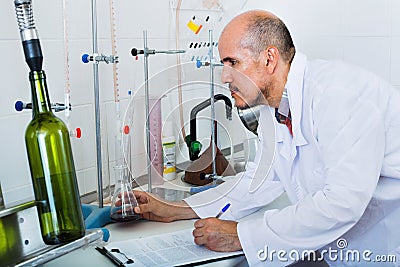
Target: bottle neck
[{"x": 40, "y": 95}]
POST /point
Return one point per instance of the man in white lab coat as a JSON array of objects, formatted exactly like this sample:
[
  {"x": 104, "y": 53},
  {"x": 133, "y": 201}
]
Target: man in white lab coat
[{"x": 338, "y": 158}]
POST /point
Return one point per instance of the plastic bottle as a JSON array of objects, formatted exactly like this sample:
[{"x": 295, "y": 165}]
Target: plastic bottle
[
  {"x": 52, "y": 169},
  {"x": 169, "y": 158}
]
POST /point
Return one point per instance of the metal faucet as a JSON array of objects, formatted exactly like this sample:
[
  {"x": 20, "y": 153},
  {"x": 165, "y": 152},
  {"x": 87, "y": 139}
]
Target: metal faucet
[{"x": 194, "y": 145}]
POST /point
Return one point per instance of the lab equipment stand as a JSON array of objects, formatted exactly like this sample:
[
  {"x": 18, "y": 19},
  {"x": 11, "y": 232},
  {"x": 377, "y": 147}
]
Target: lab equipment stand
[{"x": 146, "y": 52}]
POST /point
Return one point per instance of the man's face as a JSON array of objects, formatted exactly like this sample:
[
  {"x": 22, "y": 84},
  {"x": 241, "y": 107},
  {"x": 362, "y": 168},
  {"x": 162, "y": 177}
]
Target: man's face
[{"x": 244, "y": 73}]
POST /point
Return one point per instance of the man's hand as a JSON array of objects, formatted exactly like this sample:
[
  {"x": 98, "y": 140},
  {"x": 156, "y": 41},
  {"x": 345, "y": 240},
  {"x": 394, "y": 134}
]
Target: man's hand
[
  {"x": 217, "y": 235},
  {"x": 155, "y": 209}
]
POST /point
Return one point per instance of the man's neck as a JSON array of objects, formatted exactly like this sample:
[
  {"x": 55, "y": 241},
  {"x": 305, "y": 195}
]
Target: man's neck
[{"x": 279, "y": 85}]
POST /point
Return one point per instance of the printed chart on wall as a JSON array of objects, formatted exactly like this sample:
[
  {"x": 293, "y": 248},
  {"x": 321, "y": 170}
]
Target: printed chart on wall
[
  {"x": 194, "y": 20},
  {"x": 171, "y": 249}
]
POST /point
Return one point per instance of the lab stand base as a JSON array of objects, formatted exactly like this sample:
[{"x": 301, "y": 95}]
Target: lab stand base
[{"x": 21, "y": 242}]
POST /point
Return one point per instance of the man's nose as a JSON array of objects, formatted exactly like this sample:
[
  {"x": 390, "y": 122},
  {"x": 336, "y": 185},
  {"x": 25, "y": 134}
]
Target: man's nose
[{"x": 226, "y": 76}]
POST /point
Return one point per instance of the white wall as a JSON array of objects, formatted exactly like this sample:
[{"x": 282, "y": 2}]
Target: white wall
[
  {"x": 365, "y": 32},
  {"x": 362, "y": 32}
]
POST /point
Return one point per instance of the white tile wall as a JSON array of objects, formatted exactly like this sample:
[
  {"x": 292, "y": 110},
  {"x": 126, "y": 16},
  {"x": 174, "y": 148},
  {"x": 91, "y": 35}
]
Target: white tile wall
[
  {"x": 373, "y": 53},
  {"x": 364, "y": 32},
  {"x": 367, "y": 18},
  {"x": 395, "y": 61},
  {"x": 395, "y": 18}
]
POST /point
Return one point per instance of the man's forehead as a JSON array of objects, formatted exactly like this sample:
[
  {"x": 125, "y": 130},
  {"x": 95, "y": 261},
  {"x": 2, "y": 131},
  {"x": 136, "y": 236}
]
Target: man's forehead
[{"x": 236, "y": 27}]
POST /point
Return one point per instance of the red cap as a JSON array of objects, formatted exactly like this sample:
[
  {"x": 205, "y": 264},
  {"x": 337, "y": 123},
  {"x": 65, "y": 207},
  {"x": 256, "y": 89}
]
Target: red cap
[
  {"x": 78, "y": 132},
  {"x": 126, "y": 129}
]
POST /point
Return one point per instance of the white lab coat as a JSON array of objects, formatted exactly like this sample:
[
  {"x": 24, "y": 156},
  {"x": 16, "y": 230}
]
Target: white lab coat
[{"x": 340, "y": 170}]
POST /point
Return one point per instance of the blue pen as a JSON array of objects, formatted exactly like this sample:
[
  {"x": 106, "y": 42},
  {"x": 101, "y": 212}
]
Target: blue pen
[{"x": 223, "y": 210}]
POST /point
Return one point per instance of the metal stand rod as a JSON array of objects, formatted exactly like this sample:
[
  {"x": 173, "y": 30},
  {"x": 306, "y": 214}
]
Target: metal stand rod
[
  {"x": 97, "y": 104},
  {"x": 146, "y": 92},
  {"x": 212, "y": 65},
  {"x": 211, "y": 52}
]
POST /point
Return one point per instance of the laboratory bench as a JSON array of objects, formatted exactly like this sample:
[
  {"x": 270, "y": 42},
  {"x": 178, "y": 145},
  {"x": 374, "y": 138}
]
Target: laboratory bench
[
  {"x": 88, "y": 256},
  {"x": 83, "y": 252}
]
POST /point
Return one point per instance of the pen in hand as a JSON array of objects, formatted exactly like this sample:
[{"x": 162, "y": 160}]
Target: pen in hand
[{"x": 223, "y": 210}]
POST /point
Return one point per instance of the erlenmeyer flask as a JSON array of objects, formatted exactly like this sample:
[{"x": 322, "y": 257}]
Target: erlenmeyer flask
[{"x": 123, "y": 200}]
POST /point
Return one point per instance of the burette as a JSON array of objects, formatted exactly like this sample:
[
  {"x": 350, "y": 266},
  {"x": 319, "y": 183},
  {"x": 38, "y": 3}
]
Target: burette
[
  {"x": 119, "y": 138},
  {"x": 67, "y": 90},
  {"x": 66, "y": 62}
]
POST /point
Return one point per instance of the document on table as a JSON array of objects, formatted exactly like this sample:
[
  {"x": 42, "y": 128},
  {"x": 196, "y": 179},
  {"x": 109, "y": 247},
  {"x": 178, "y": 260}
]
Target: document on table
[{"x": 171, "y": 249}]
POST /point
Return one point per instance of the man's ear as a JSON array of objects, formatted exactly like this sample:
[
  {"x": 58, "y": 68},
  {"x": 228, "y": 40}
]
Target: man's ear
[
  {"x": 271, "y": 60},
  {"x": 272, "y": 56}
]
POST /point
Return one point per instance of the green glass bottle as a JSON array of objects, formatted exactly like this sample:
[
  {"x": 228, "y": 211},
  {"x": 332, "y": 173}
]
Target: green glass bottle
[{"x": 52, "y": 169}]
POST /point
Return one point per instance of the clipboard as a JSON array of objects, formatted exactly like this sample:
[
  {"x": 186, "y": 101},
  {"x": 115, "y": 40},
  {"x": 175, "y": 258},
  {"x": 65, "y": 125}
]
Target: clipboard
[{"x": 170, "y": 249}]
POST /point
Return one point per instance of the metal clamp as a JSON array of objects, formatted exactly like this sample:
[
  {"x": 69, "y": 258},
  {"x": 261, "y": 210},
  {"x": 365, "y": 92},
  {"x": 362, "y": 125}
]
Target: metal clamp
[
  {"x": 96, "y": 58},
  {"x": 146, "y": 51},
  {"x": 19, "y": 106},
  {"x": 201, "y": 63}
]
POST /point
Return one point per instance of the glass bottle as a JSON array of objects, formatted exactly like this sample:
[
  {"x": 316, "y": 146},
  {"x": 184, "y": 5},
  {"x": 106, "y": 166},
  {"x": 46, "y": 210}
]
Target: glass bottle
[
  {"x": 10, "y": 244},
  {"x": 1, "y": 199},
  {"x": 123, "y": 200},
  {"x": 52, "y": 169}
]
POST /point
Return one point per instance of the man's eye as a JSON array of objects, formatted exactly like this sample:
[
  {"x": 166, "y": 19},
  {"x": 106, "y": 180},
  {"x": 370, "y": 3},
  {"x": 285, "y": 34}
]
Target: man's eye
[
  {"x": 233, "y": 62},
  {"x": 229, "y": 61}
]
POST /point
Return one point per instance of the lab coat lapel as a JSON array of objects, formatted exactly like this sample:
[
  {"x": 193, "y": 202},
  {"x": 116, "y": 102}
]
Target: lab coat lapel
[
  {"x": 267, "y": 137},
  {"x": 294, "y": 87},
  {"x": 286, "y": 144},
  {"x": 283, "y": 161}
]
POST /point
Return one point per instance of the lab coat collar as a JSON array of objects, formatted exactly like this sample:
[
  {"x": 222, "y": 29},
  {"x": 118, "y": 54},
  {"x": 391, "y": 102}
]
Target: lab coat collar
[{"x": 294, "y": 87}]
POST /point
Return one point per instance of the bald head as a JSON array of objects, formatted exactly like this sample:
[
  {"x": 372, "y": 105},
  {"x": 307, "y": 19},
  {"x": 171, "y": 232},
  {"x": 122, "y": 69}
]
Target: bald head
[
  {"x": 256, "y": 30},
  {"x": 246, "y": 17}
]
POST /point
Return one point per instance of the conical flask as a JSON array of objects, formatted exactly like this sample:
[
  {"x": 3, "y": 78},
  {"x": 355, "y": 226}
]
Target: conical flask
[{"x": 123, "y": 200}]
